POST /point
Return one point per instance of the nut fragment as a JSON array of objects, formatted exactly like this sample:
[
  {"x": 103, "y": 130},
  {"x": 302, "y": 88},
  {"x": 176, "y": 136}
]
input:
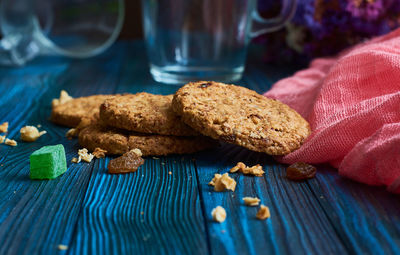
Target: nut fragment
[
  {"x": 30, "y": 133},
  {"x": 73, "y": 132},
  {"x": 2, "y": 138},
  {"x": 222, "y": 182},
  {"x": 76, "y": 160},
  {"x": 251, "y": 201},
  {"x": 263, "y": 213},
  {"x": 10, "y": 142},
  {"x": 62, "y": 247},
  {"x": 64, "y": 97},
  {"x": 218, "y": 214},
  {"x": 84, "y": 155},
  {"x": 4, "y": 127},
  {"x": 99, "y": 153},
  {"x": 254, "y": 170}
]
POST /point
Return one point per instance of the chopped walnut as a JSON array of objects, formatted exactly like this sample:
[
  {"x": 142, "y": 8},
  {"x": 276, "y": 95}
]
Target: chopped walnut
[
  {"x": 2, "y": 138},
  {"x": 222, "y": 182},
  {"x": 99, "y": 153},
  {"x": 84, "y": 155},
  {"x": 76, "y": 160},
  {"x": 10, "y": 142},
  {"x": 73, "y": 132},
  {"x": 30, "y": 133},
  {"x": 4, "y": 127},
  {"x": 218, "y": 214},
  {"x": 263, "y": 213},
  {"x": 251, "y": 201},
  {"x": 137, "y": 151},
  {"x": 64, "y": 97},
  {"x": 254, "y": 170},
  {"x": 239, "y": 166}
]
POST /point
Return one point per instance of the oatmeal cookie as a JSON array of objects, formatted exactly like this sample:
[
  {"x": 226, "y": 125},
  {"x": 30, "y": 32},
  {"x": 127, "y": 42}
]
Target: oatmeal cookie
[{"x": 241, "y": 116}]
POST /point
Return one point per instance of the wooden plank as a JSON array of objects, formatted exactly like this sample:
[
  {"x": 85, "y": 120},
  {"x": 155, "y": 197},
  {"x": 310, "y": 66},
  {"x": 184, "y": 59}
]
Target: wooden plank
[
  {"x": 298, "y": 225},
  {"x": 37, "y": 216},
  {"x": 146, "y": 212},
  {"x": 366, "y": 218},
  {"x": 172, "y": 220}
]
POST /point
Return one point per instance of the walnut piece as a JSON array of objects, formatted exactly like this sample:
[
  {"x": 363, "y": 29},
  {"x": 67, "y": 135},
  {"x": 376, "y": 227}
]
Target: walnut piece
[
  {"x": 218, "y": 214},
  {"x": 263, "y": 213},
  {"x": 84, "y": 155},
  {"x": 2, "y": 138},
  {"x": 64, "y": 97},
  {"x": 30, "y": 133},
  {"x": 254, "y": 170},
  {"x": 10, "y": 142},
  {"x": 99, "y": 153},
  {"x": 4, "y": 127},
  {"x": 251, "y": 201},
  {"x": 222, "y": 182}
]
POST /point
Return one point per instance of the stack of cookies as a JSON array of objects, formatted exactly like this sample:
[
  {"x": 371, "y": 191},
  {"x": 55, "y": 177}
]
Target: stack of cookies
[{"x": 191, "y": 120}]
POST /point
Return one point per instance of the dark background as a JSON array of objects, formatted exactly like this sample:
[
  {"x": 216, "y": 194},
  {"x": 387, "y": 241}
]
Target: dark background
[{"x": 133, "y": 20}]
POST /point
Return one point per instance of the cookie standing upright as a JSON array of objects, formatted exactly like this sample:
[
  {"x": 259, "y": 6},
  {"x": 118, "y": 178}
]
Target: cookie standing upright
[
  {"x": 144, "y": 113},
  {"x": 241, "y": 116}
]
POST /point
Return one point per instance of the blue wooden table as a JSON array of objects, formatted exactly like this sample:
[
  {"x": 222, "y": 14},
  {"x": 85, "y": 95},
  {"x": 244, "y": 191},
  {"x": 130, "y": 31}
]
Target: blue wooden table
[{"x": 152, "y": 212}]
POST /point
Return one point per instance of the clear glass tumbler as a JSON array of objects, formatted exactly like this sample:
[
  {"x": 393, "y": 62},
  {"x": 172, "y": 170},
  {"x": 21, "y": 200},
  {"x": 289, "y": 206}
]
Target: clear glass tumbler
[
  {"x": 73, "y": 28},
  {"x": 190, "y": 40}
]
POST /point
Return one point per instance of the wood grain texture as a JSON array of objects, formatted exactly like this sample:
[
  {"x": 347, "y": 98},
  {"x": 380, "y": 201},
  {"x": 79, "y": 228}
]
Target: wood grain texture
[
  {"x": 93, "y": 212},
  {"x": 36, "y": 216}
]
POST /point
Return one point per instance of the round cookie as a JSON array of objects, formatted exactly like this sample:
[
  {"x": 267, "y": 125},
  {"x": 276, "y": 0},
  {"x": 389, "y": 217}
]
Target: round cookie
[
  {"x": 144, "y": 113},
  {"x": 117, "y": 142},
  {"x": 71, "y": 112},
  {"x": 241, "y": 116}
]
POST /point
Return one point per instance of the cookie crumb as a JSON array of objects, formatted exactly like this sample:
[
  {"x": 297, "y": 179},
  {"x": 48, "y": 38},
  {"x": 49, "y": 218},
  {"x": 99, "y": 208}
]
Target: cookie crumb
[
  {"x": 169, "y": 172},
  {"x": 254, "y": 170},
  {"x": 218, "y": 214},
  {"x": 222, "y": 182},
  {"x": 251, "y": 201},
  {"x": 2, "y": 138},
  {"x": 30, "y": 133},
  {"x": 76, "y": 160},
  {"x": 4, "y": 127},
  {"x": 62, "y": 247},
  {"x": 84, "y": 155},
  {"x": 64, "y": 97},
  {"x": 73, "y": 132},
  {"x": 38, "y": 126},
  {"x": 10, "y": 142},
  {"x": 99, "y": 153},
  {"x": 155, "y": 158},
  {"x": 141, "y": 213},
  {"x": 263, "y": 213}
]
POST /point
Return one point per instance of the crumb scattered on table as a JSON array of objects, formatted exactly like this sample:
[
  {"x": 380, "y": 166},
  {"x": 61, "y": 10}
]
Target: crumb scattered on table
[
  {"x": 2, "y": 138},
  {"x": 30, "y": 133},
  {"x": 218, "y": 214},
  {"x": 222, "y": 182},
  {"x": 254, "y": 170},
  {"x": 263, "y": 213},
  {"x": 169, "y": 172},
  {"x": 10, "y": 142},
  {"x": 251, "y": 201},
  {"x": 99, "y": 153},
  {"x": 76, "y": 160},
  {"x": 4, "y": 127},
  {"x": 62, "y": 247},
  {"x": 84, "y": 155},
  {"x": 73, "y": 132}
]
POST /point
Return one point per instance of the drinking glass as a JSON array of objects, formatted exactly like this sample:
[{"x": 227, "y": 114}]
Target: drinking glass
[
  {"x": 73, "y": 28},
  {"x": 190, "y": 40}
]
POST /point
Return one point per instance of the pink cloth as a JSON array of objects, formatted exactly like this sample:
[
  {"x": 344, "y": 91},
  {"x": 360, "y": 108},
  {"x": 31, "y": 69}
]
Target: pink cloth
[{"x": 352, "y": 103}]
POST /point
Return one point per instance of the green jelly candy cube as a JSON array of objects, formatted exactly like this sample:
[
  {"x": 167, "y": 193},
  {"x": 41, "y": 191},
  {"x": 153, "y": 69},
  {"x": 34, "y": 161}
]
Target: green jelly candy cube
[{"x": 48, "y": 162}]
